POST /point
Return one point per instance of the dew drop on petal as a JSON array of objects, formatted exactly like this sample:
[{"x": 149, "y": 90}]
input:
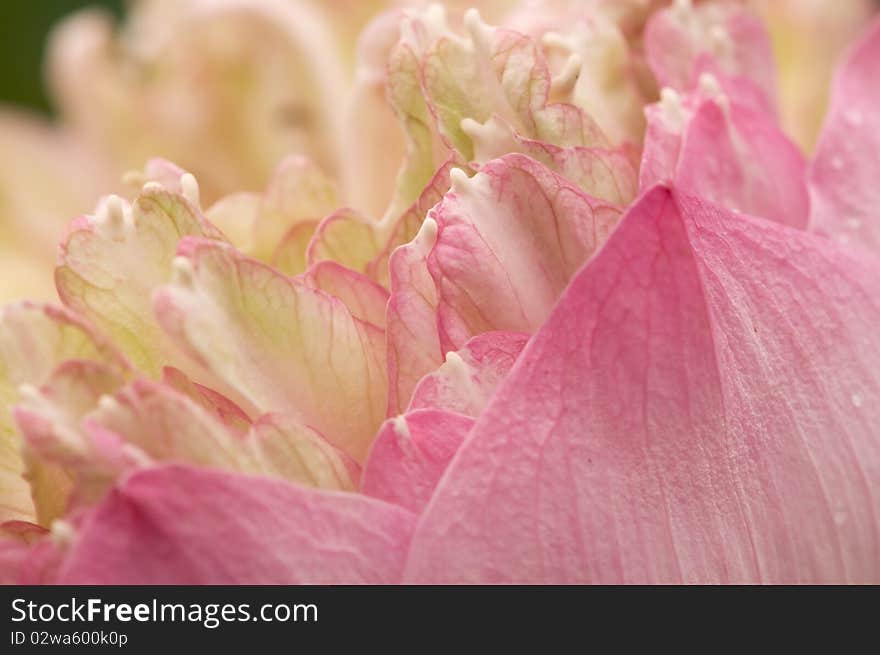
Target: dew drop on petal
[
  {"x": 856, "y": 400},
  {"x": 837, "y": 163}
]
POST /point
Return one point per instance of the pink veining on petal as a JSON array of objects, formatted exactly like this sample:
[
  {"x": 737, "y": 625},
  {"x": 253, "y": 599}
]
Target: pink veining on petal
[{"x": 700, "y": 407}]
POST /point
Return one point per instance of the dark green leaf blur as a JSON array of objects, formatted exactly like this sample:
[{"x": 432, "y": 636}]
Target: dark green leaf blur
[{"x": 25, "y": 24}]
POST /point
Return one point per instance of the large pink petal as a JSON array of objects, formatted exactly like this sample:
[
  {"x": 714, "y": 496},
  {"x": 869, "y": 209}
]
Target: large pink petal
[
  {"x": 180, "y": 525},
  {"x": 702, "y": 406},
  {"x": 844, "y": 176}
]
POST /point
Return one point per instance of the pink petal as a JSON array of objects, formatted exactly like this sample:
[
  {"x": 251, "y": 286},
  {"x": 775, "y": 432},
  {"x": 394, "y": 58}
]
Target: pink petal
[
  {"x": 110, "y": 264},
  {"x": 412, "y": 338},
  {"x": 495, "y": 71},
  {"x": 298, "y": 193},
  {"x": 15, "y": 550},
  {"x": 25, "y": 556},
  {"x": 410, "y": 455},
  {"x": 34, "y": 340},
  {"x": 508, "y": 241},
  {"x": 229, "y": 413},
  {"x": 728, "y": 154},
  {"x": 363, "y": 245},
  {"x": 494, "y": 254},
  {"x": 700, "y": 407},
  {"x": 179, "y": 525},
  {"x": 467, "y": 380},
  {"x": 365, "y": 299},
  {"x": 725, "y": 39},
  {"x": 844, "y": 175},
  {"x": 607, "y": 174}
]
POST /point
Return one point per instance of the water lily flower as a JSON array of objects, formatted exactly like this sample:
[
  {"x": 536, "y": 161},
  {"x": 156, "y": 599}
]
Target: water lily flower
[{"x": 599, "y": 320}]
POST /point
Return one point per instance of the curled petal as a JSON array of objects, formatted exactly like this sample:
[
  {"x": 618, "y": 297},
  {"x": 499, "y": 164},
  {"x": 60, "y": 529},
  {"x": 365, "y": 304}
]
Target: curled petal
[
  {"x": 291, "y": 255},
  {"x": 221, "y": 407},
  {"x": 387, "y": 96},
  {"x": 298, "y": 193},
  {"x": 725, "y": 39},
  {"x": 494, "y": 71},
  {"x": 56, "y": 451},
  {"x": 598, "y": 65},
  {"x": 88, "y": 431},
  {"x": 508, "y": 241},
  {"x": 167, "y": 426},
  {"x": 410, "y": 454},
  {"x": 468, "y": 378},
  {"x": 110, "y": 264},
  {"x": 348, "y": 238},
  {"x": 608, "y": 174},
  {"x": 413, "y": 341},
  {"x": 34, "y": 340},
  {"x": 494, "y": 255},
  {"x": 283, "y": 344},
  {"x": 365, "y": 246},
  {"x": 701, "y": 406},
  {"x": 287, "y": 448},
  {"x": 727, "y": 153},
  {"x": 365, "y": 299}
]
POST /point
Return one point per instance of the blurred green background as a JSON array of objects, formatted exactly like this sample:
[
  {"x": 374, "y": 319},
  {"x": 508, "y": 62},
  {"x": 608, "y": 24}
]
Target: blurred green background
[{"x": 25, "y": 26}]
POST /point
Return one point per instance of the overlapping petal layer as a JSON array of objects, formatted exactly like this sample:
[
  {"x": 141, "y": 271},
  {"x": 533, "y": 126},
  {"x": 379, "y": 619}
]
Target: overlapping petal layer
[
  {"x": 302, "y": 536},
  {"x": 494, "y": 255},
  {"x": 701, "y": 407},
  {"x": 34, "y": 340},
  {"x": 712, "y": 145},
  {"x": 468, "y": 377},
  {"x": 479, "y": 372},
  {"x": 723, "y": 38},
  {"x": 281, "y": 343},
  {"x": 411, "y": 453},
  {"x": 111, "y": 263}
]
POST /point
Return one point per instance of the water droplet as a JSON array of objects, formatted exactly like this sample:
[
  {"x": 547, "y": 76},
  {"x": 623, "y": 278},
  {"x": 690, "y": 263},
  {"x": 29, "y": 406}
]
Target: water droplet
[
  {"x": 840, "y": 517},
  {"x": 836, "y": 163},
  {"x": 854, "y": 117},
  {"x": 856, "y": 400}
]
